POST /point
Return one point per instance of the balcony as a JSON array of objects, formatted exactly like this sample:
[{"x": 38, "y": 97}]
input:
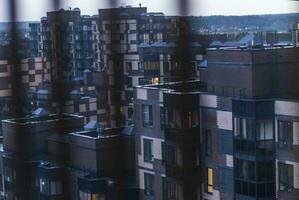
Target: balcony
[{"x": 260, "y": 148}]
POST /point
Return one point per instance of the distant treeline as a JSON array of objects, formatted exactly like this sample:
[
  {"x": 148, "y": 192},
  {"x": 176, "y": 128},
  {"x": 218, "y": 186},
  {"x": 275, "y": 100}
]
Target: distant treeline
[{"x": 273, "y": 22}]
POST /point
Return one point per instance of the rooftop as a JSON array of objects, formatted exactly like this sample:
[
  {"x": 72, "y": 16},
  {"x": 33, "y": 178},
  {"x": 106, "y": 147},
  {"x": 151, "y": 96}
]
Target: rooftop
[
  {"x": 192, "y": 86},
  {"x": 33, "y": 119},
  {"x": 104, "y": 133}
]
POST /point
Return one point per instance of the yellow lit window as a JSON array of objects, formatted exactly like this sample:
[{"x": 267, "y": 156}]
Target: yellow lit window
[
  {"x": 155, "y": 81},
  {"x": 210, "y": 180}
]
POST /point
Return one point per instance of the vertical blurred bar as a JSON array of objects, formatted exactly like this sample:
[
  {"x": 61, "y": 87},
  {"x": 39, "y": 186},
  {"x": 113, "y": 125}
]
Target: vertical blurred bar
[
  {"x": 14, "y": 61},
  {"x": 56, "y": 59},
  {"x": 17, "y": 95},
  {"x": 183, "y": 55},
  {"x": 183, "y": 40}
]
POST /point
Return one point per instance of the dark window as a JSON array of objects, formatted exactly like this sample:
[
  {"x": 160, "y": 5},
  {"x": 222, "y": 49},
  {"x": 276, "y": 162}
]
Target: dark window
[
  {"x": 163, "y": 152},
  {"x": 166, "y": 67},
  {"x": 50, "y": 187},
  {"x": 172, "y": 190},
  {"x": 163, "y": 117},
  {"x": 147, "y": 115},
  {"x": 128, "y": 67},
  {"x": 286, "y": 177},
  {"x": 31, "y": 78},
  {"x": 130, "y": 112},
  {"x": 9, "y": 174},
  {"x": 208, "y": 141},
  {"x": 244, "y": 128},
  {"x": 226, "y": 142},
  {"x": 148, "y": 150},
  {"x": 285, "y": 134},
  {"x": 140, "y": 66},
  {"x": 171, "y": 155},
  {"x": 148, "y": 184},
  {"x": 226, "y": 179},
  {"x": 245, "y": 169}
]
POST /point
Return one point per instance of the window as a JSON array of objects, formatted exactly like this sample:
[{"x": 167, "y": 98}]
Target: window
[
  {"x": 163, "y": 117},
  {"x": 163, "y": 152},
  {"x": 285, "y": 134},
  {"x": 128, "y": 67},
  {"x": 172, "y": 190},
  {"x": 89, "y": 196},
  {"x": 148, "y": 184},
  {"x": 208, "y": 141},
  {"x": 140, "y": 66},
  {"x": 264, "y": 130},
  {"x": 147, "y": 115},
  {"x": 210, "y": 180},
  {"x": 155, "y": 81},
  {"x": 146, "y": 38},
  {"x": 171, "y": 155},
  {"x": 244, "y": 128},
  {"x": 9, "y": 174},
  {"x": 44, "y": 186},
  {"x": 192, "y": 120},
  {"x": 245, "y": 170},
  {"x": 147, "y": 150},
  {"x": 50, "y": 187},
  {"x": 166, "y": 67},
  {"x": 286, "y": 176}
]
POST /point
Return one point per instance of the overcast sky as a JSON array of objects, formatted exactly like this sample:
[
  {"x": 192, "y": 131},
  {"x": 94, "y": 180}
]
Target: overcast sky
[{"x": 33, "y": 10}]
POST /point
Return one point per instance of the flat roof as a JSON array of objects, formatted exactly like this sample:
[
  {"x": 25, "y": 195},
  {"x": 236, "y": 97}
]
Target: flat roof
[
  {"x": 38, "y": 119},
  {"x": 179, "y": 87}
]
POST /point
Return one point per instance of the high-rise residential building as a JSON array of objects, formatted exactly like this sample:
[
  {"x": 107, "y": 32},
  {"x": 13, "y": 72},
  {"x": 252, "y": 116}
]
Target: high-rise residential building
[
  {"x": 222, "y": 138},
  {"x": 32, "y": 72},
  {"x": 69, "y": 40},
  {"x": 135, "y": 46},
  {"x": 167, "y": 132},
  {"x": 120, "y": 40}
]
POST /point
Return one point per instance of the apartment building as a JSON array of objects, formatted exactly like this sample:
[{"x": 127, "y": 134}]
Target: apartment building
[
  {"x": 71, "y": 40},
  {"x": 134, "y": 43},
  {"x": 167, "y": 133},
  {"x": 58, "y": 157},
  {"x": 80, "y": 96},
  {"x": 32, "y": 72},
  {"x": 244, "y": 129}
]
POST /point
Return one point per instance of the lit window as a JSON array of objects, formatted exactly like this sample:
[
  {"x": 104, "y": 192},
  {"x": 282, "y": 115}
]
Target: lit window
[
  {"x": 155, "y": 81},
  {"x": 210, "y": 180}
]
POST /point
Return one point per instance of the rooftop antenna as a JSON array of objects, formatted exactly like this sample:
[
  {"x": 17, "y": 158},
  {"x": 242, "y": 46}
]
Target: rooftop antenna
[{"x": 68, "y": 8}]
